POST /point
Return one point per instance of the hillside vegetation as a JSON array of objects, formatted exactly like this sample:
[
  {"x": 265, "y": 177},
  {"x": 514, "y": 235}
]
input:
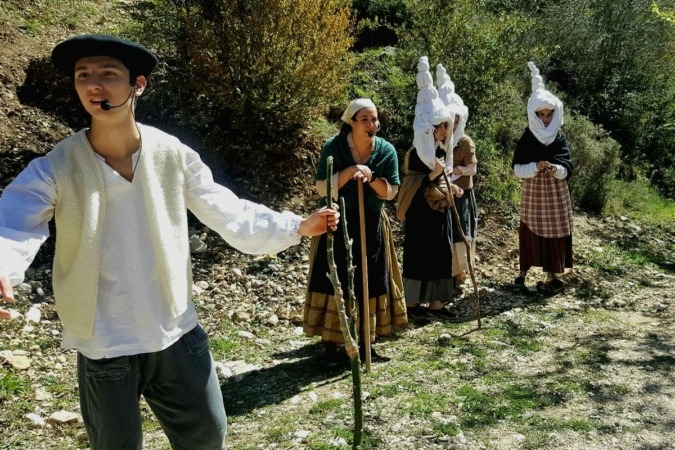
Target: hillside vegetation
[{"x": 256, "y": 86}]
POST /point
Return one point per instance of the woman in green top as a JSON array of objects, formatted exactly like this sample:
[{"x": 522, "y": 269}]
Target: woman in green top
[{"x": 358, "y": 155}]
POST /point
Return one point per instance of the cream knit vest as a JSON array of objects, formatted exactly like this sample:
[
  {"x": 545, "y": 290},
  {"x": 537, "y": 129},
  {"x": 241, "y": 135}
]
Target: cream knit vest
[{"x": 80, "y": 212}]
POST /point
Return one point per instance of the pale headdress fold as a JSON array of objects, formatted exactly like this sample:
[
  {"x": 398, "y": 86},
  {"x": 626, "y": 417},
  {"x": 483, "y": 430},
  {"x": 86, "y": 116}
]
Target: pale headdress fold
[
  {"x": 543, "y": 99},
  {"x": 429, "y": 112}
]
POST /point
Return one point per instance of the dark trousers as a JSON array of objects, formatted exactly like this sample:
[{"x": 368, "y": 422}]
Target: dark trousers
[{"x": 179, "y": 384}]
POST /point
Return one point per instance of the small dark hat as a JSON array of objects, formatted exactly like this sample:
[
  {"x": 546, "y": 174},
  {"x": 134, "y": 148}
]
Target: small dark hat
[{"x": 138, "y": 59}]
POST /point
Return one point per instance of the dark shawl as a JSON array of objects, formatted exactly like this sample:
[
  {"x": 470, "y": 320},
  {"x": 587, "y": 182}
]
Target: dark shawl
[{"x": 529, "y": 150}]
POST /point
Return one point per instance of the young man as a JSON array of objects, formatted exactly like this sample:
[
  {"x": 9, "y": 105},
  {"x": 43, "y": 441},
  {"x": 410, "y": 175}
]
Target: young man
[{"x": 119, "y": 192}]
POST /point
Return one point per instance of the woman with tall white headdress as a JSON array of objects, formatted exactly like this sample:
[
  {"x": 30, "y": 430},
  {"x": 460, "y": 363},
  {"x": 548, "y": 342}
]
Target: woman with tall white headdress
[
  {"x": 464, "y": 168},
  {"x": 542, "y": 160},
  {"x": 358, "y": 156},
  {"x": 424, "y": 204}
]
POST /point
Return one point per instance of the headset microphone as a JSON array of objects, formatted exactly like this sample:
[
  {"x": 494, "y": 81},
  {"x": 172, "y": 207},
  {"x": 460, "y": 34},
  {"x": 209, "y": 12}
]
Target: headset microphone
[
  {"x": 372, "y": 133},
  {"x": 106, "y": 106}
]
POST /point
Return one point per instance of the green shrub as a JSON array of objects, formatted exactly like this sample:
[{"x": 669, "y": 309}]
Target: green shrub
[
  {"x": 480, "y": 49},
  {"x": 495, "y": 182},
  {"x": 640, "y": 200},
  {"x": 378, "y": 20},
  {"x": 380, "y": 76},
  {"x": 596, "y": 161},
  {"x": 255, "y": 67}
]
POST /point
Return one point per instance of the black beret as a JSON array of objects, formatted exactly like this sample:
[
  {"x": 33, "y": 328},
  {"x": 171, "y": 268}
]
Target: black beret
[{"x": 138, "y": 59}]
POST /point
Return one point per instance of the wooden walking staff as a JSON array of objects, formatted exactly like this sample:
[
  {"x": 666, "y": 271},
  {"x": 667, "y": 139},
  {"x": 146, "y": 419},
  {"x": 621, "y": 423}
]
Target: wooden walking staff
[
  {"x": 466, "y": 243},
  {"x": 364, "y": 272},
  {"x": 351, "y": 346},
  {"x": 347, "y": 325}
]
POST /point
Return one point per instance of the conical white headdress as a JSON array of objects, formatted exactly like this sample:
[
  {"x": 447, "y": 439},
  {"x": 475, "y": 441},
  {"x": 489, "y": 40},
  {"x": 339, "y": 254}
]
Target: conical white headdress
[
  {"x": 543, "y": 99},
  {"x": 430, "y": 111},
  {"x": 446, "y": 91},
  {"x": 446, "y": 88}
]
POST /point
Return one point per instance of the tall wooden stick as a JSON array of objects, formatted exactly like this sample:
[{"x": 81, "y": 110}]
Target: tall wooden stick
[
  {"x": 466, "y": 243},
  {"x": 364, "y": 272},
  {"x": 353, "y": 306},
  {"x": 348, "y": 327},
  {"x": 351, "y": 346}
]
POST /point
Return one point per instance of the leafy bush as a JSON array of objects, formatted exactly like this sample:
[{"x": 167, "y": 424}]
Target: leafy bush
[
  {"x": 596, "y": 160},
  {"x": 640, "y": 200},
  {"x": 380, "y": 76},
  {"x": 495, "y": 182},
  {"x": 255, "y": 67},
  {"x": 378, "y": 20}
]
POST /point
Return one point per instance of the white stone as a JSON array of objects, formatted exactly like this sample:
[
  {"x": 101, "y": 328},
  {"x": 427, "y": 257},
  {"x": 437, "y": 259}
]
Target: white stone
[
  {"x": 18, "y": 362},
  {"x": 223, "y": 371},
  {"x": 246, "y": 334},
  {"x": 64, "y": 417},
  {"x": 23, "y": 289},
  {"x": 302, "y": 434},
  {"x": 42, "y": 395},
  {"x": 33, "y": 315},
  {"x": 35, "y": 419}
]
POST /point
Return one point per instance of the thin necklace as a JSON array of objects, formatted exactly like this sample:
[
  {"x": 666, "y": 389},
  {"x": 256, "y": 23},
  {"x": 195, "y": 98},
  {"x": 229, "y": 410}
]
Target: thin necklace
[{"x": 361, "y": 159}]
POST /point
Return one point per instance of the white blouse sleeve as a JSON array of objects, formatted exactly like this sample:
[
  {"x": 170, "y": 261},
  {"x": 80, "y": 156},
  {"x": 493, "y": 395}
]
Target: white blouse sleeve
[
  {"x": 469, "y": 170},
  {"x": 247, "y": 226},
  {"x": 561, "y": 172},
  {"x": 26, "y": 207},
  {"x": 526, "y": 170}
]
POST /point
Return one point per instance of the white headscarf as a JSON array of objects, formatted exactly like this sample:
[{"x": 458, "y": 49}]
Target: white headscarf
[
  {"x": 543, "y": 99},
  {"x": 461, "y": 110},
  {"x": 354, "y": 107},
  {"x": 430, "y": 111}
]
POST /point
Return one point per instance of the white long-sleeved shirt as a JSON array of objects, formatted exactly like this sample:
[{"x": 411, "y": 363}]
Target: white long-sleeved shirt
[
  {"x": 131, "y": 316},
  {"x": 530, "y": 171}
]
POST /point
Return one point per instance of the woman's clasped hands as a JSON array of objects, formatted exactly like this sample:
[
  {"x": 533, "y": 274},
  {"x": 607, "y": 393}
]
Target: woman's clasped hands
[{"x": 362, "y": 172}]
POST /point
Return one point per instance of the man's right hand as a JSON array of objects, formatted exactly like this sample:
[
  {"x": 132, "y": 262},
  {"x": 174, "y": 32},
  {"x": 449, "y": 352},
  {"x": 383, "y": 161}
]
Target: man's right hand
[{"x": 7, "y": 293}]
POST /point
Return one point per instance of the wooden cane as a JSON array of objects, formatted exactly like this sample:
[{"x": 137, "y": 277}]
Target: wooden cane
[
  {"x": 364, "y": 272},
  {"x": 466, "y": 243}
]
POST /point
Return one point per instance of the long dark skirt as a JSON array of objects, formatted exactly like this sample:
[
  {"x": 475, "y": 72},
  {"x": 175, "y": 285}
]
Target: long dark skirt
[
  {"x": 427, "y": 253},
  {"x": 467, "y": 211},
  {"x": 551, "y": 254},
  {"x": 468, "y": 216}
]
